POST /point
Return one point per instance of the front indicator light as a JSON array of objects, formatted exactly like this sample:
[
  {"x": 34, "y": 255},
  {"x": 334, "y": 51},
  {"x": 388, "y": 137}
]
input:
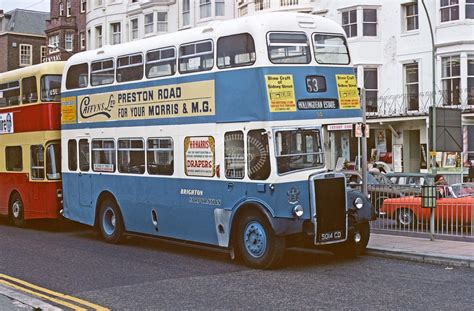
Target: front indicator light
[
  {"x": 298, "y": 211},
  {"x": 358, "y": 203}
]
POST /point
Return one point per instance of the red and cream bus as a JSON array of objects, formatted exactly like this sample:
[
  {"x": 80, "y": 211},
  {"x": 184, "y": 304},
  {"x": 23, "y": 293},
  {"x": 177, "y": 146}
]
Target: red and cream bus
[{"x": 30, "y": 157}]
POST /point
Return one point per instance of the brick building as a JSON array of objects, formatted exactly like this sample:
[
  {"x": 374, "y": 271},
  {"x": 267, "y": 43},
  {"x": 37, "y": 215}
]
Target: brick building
[
  {"x": 22, "y": 38},
  {"x": 66, "y": 29}
]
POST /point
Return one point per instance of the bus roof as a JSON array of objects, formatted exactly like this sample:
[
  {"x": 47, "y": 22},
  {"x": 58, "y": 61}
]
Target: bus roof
[
  {"x": 50, "y": 68},
  {"x": 255, "y": 24}
]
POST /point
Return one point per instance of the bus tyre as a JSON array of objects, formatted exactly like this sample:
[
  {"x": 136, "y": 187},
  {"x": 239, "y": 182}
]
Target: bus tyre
[
  {"x": 110, "y": 222},
  {"x": 17, "y": 211},
  {"x": 257, "y": 244},
  {"x": 351, "y": 248}
]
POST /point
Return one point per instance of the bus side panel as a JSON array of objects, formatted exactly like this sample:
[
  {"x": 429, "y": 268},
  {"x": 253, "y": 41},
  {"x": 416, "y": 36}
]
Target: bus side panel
[
  {"x": 45, "y": 204},
  {"x": 75, "y": 208},
  {"x": 11, "y": 182}
]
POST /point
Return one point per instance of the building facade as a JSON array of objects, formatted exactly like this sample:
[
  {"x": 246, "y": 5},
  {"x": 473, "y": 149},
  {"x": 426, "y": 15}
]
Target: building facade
[
  {"x": 116, "y": 21},
  {"x": 22, "y": 39},
  {"x": 391, "y": 50},
  {"x": 66, "y": 29}
]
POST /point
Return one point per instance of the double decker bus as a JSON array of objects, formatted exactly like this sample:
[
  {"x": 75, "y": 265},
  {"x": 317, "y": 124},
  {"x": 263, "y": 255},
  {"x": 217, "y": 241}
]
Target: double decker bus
[
  {"x": 215, "y": 135},
  {"x": 30, "y": 157}
]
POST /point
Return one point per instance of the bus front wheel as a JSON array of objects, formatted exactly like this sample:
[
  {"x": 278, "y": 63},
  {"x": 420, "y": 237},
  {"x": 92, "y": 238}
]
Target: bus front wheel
[
  {"x": 257, "y": 244},
  {"x": 17, "y": 211},
  {"x": 110, "y": 221}
]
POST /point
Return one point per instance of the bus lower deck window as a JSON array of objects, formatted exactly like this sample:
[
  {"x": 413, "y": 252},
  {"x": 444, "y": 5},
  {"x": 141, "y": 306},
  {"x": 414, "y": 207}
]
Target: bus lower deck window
[
  {"x": 131, "y": 156},
  {"x": 103, "y": 155},
  {"x": 234, "y": 155},
  {"x": 14, "y": 159},
  {"x": 37, "y": 162},
  {"x": 258, "y": 158},
  {"x": 160, "y": 156},
  {"x": 72, "y": 154},
  {"x": 84, "y": 155}
]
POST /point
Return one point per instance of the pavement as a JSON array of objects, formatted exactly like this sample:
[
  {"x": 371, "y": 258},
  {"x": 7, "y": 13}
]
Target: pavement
[{"x": 443, "y": 252}]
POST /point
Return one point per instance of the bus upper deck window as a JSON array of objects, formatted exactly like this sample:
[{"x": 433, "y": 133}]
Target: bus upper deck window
[
  {"x": 236, "y": 50},
  {"x": 102, "y": 72},
  {"x": 198, "y": 56},
  {"x": 9, "y": 94},
  {"x": 288, "y": 48},
  {"x": 51, "y": 88},
  {"x": 161, "y": 63},
  {"x": 77, "y": 76},
  {"x": 330, "y": 49},
  {"x": 29, "y": 90},
  {"x": 130, "y": 68}
]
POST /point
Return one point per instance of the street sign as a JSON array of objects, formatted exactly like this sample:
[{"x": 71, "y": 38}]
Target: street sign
[
  {"x": 448, "y": 130},
  {"x": 361, "y": 130}
]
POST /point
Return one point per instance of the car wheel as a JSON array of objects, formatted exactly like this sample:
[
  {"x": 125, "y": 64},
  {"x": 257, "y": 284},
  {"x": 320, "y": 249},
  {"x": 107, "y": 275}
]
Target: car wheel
[
  {"x": 405, "y": 217},
  {"x": 257, "y": 244},
  {"x": 17, "y": 211},
  {"x": 353, "y": 248},
  {"x": 110, "y": 222}
]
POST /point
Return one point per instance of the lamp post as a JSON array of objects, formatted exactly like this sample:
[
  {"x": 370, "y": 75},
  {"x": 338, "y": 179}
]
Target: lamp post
[{"x": 433, "y": 123}]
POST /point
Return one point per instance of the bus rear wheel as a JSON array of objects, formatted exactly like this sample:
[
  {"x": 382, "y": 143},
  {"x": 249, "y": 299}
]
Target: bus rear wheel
[
  {"x": 110, "y": 222},
  {"x": 257, "y": 244},
  {"x": 17, "y": 211}
]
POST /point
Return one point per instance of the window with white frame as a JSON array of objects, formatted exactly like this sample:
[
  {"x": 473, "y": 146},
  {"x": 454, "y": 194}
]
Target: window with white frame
[
  {"x": 451, "y": 80},
  {"x": 61, "y": 9},
  {"x": 349, "y": 23},
  {"x": 98, "y": 36},
  {"x": 186, "y": 13},
  {"x": 98, "y": 3},
  {"x": 470, "y": 9},
  {"x": 44, "y": 51},
  {"x": 162, "y": 21},
  {"x": 116, "y": 33},
  {"x": 134, "y": 29},
  {"x": 369, "y": 27},
  {"x": 205, "y": 8},
  {"x": 449, "y": 10},
  {"x": 411, "y": 16},
  {"x": 68, "y": 8},
  {"x": 69, "y": 41},
  {"x": 411, "y": 86},
  {"x": 220, "y": 7},
  {"x": 149, "y": 21},
  {"x": 83, "y": 5},
  {"x": 470, "y": 80},
  {"x": 53, "y": 41},
  {"x": 26, "y": 57},
  {"x": 82, "y": 40},
  {"x": 371, "y": 88}
]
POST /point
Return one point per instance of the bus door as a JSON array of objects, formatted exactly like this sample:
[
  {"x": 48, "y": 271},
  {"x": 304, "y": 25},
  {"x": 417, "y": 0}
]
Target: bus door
[
  {"x": 37, "y": 177},
  {"x": 84, "y": 177}
]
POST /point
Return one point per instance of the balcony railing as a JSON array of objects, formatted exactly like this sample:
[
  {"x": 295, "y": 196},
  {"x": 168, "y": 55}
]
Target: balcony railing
[
  {"x": 418, "y": 104},
  {"x": 288, "y": 2}
]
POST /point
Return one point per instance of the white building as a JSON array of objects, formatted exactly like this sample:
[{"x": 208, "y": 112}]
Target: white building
[
  {"x": 116, "y": 21},
  {"x": 392, "y": 53}
]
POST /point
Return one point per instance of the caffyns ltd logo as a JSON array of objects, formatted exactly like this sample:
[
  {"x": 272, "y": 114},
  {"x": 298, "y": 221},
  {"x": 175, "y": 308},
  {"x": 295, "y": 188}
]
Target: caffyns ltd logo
[{"x": 89, "y": 109}]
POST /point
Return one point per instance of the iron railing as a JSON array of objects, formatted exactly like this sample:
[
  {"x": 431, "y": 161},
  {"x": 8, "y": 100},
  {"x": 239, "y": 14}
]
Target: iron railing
[{"x": 400, "y": 210}]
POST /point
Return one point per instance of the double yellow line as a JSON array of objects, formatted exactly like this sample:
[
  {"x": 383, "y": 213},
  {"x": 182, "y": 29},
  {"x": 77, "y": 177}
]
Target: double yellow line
[{"x": 64, "y": 300}]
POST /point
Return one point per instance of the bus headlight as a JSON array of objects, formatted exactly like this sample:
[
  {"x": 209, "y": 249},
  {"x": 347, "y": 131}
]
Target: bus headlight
[
  {"x": 358, "y": 203},
  {"x": 298, "y": 210}
]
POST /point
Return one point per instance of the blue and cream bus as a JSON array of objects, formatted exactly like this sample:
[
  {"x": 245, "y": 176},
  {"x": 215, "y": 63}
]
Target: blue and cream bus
[{"x": 215, "y": 135}]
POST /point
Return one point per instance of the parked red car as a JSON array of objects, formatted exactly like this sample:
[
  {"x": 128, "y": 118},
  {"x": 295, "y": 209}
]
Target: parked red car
[{"x": 454, "y": 207}]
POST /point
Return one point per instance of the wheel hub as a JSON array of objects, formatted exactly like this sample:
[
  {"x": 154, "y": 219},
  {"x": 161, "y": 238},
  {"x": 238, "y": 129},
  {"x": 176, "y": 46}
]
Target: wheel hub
[
  {"x": 255, "y": 239},
  {"x": 109, "y": 221},
  {"x": 16, "y": 209}
]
